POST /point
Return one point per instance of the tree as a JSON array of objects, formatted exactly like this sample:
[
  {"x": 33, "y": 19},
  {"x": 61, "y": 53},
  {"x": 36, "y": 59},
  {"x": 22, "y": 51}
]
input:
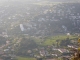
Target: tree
[
  {"x": 76, "y": 55},
  {"x": 25, "y": 45},
  {"x": 2, "y": 40},
  {"x": 65, "y": 42}
]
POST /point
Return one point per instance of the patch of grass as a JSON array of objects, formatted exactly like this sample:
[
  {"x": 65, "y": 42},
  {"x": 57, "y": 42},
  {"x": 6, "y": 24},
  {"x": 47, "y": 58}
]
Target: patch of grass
[
  {"x": 24, "y": 58},
  {"x": 52, "y": 40}
]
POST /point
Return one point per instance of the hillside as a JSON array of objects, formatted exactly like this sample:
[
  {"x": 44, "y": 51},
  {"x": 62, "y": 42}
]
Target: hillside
[
  {"x": 64, "y": 0},
  {"x": 39, "y": 19}
]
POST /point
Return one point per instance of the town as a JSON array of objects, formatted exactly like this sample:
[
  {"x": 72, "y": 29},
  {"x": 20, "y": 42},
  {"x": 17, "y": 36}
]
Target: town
[{"x": 39, "y": 30}]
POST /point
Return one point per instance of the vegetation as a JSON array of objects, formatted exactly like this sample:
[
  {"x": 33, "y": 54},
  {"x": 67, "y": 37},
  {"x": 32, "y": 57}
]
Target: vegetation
[
  {"x": 76, "y": 55},
  {"x": 53, "y": 40},
  {"x": 24, "y": 58},
  {"x": 25, "y": 45},
  {"x": 2, "y": 40},
  {"x": 39, "y": 19}
]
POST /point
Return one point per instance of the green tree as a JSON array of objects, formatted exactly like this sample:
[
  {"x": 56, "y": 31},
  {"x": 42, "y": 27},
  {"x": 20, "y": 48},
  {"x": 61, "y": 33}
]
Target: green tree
[
  {"x": 25, "y": 45},
  {"x": 65, "y": 42},
  {"x": 2, "y": 40}
]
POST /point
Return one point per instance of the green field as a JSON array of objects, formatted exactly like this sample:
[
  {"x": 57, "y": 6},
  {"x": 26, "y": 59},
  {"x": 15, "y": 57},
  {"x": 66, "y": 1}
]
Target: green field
[
  {"x": 51, "y": 40},
  {"x": 24, "y": 58}
]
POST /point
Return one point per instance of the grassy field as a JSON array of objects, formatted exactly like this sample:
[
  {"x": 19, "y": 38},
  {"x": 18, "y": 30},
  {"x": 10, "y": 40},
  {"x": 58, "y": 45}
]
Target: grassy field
[
  {"x": 51, "y": 40},
  {"x": 23, "y": 58}
]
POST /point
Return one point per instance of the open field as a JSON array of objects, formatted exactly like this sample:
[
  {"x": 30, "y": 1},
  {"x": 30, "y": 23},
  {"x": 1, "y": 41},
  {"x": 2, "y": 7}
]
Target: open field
[
  {"x": 52, "y": 40},
  {"x": 24, "y": 58}
]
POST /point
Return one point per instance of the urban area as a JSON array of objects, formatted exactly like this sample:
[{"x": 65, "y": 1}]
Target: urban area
[{"x": 40, "y": 30}]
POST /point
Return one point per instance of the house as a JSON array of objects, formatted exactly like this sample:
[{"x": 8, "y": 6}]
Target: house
[
  {"x": 63, "y": 50},
  {"x": 65, "y": 57},
  {"x": 73, "y": 46},
  {"x": 44, "y": 53}
]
